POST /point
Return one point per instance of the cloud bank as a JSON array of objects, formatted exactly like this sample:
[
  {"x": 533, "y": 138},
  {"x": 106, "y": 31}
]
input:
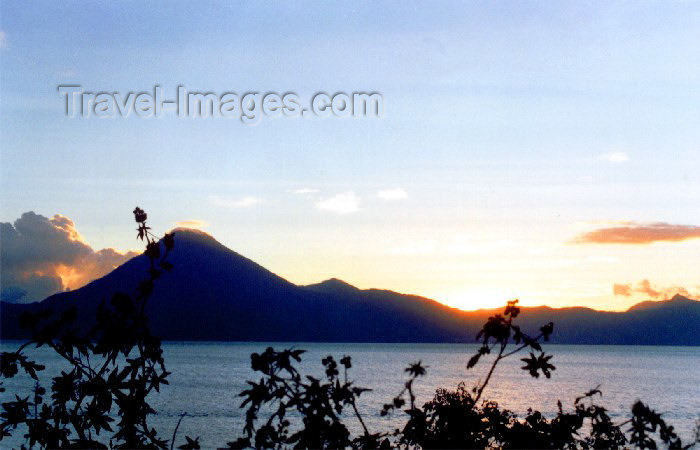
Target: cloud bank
[
  {"x": 41, "y": 256},
  {"x": 645, "y": 288},
  {"x": 640, "y": 234}
]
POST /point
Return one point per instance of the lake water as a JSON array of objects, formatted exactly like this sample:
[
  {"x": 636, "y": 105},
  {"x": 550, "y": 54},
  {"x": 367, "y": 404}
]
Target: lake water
[{"x": 207, "y": 378}]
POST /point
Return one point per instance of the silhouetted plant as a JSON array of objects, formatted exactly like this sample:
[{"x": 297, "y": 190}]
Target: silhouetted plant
[
  {"x": 116, "y": 365},
  {"x": 112, "y": 369},
  {"x": 452, "y": 419},
  {"x": 319, "y": 404},
  {"x": 646, "y": 421}
]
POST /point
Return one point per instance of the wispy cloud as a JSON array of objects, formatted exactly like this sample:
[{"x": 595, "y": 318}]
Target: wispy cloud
[
  {"x": 4, "y": 43},
  {"x": 640, "y": 234},
  {"x": 343, "y": 203},
  {"x": 624, "y": 290},
  {"x": 245, "y": 202},
  {"x": 614, "y": 157},
  {"x": 392, "y": 194},
  {"x": 193, "y": 223},
  {"x": 645, "y": 288},
  {"x": 304, "y": 191}
]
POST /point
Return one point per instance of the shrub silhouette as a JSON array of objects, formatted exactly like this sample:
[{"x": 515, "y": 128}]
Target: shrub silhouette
[
  {"x": 319, "y": 404},
  {"x": 113, "y": 369},
  {"x": 452, "y": 419},
  {"x": 101, "y": 402}
]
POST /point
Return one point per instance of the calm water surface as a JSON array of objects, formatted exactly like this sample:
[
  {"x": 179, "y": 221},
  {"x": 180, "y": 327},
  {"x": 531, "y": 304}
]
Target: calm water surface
[{"x": 207, "y": 377}]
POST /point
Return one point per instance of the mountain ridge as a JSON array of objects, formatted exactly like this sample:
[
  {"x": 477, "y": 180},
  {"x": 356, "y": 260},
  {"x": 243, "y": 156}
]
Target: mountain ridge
[{"x": 214, "y": 293}]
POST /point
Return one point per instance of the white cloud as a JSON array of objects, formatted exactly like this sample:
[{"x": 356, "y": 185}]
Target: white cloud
[
  {"x": 392, "y": 194},
  {"x": 343, "y": 203},
  {"x": 614, "y": 157},
  {"x": 3, "y": 40},
  {"x": 304, "y": 191},
  {"x": 245, "y": 202}
]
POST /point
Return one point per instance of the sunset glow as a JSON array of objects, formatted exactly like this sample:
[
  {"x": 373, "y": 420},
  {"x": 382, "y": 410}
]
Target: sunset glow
[{"x": 546, "y": 152}]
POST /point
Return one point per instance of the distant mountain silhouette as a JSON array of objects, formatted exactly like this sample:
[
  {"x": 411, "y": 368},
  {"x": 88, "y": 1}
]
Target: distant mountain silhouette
[
  {"x": 214, "y": 293},
  {"x": 678, "y": 301}
]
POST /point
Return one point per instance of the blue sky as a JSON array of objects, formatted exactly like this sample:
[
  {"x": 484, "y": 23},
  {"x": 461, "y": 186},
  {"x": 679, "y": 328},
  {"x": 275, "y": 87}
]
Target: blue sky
[{"x": 511, "y": 127}]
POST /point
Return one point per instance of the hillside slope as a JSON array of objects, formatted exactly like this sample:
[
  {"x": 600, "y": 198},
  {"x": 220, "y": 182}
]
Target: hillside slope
[{"x": 214, "y": 293}]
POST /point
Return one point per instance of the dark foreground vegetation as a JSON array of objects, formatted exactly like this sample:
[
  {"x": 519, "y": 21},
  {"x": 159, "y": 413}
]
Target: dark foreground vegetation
[{"x": 102, "y": 401}]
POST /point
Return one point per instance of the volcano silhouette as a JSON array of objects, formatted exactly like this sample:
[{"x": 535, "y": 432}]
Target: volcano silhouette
[{"x": 215, "y": 294}]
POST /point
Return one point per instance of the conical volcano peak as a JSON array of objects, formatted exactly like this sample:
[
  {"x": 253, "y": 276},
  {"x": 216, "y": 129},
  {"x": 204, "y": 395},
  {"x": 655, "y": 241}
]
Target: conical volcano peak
[
  {"x": 193, "y": 234},
  {"x": 191, "y": 237}
]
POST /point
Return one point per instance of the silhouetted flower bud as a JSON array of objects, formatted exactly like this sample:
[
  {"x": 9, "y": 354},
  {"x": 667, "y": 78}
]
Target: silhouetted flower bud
[{"x": 140, "y": 215}]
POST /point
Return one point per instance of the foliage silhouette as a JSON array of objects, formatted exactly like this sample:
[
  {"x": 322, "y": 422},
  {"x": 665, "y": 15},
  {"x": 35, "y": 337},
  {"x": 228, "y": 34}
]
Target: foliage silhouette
[
  {"x": 452, "y": 419},
  {"x": 114, "y": 367},
  {"x": 101, "y": 402},
  {"x": 319, "y": 402}
]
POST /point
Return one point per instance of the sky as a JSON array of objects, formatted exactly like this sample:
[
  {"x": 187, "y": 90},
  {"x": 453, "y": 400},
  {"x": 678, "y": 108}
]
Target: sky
[{"x": 546, "y": 151}]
